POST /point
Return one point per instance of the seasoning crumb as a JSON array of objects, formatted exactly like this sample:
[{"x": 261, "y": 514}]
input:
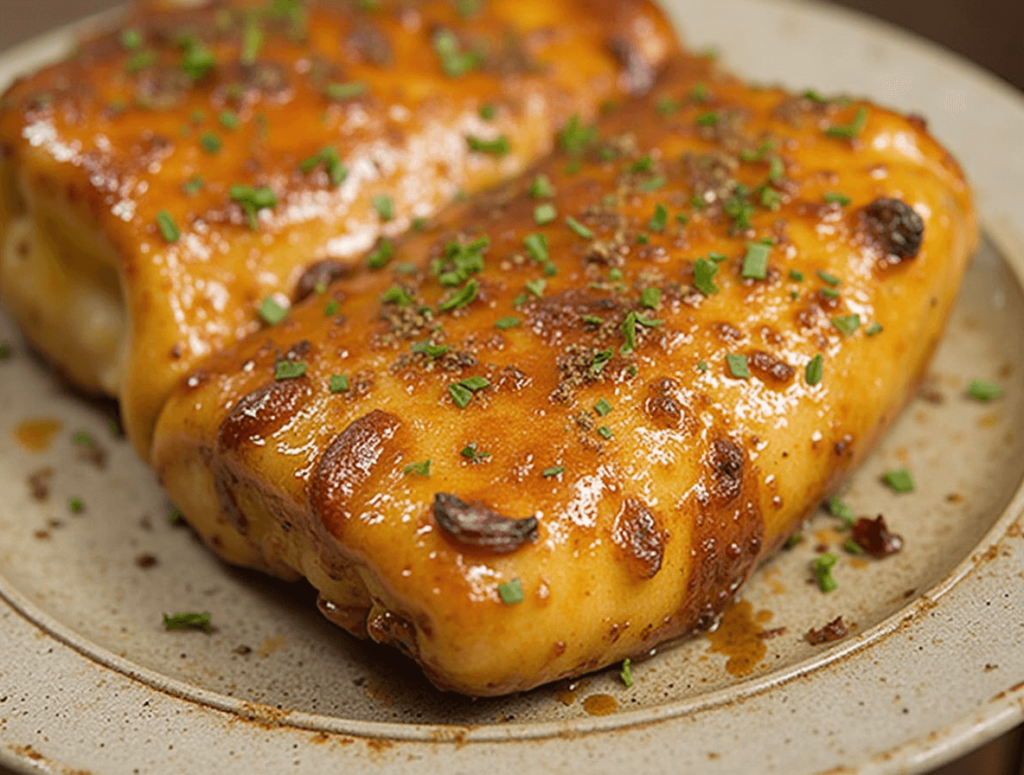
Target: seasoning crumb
[
  {"x": 833, "y": 631},
  {"x": 772, "y": 633},
  {"x": 42, "y": 535},
  {"x": 146, "y": 561},
  {"x": 39, "y": 483},
  {"x": 874, "y": 537},
  {"x": 242, "y": 650}
]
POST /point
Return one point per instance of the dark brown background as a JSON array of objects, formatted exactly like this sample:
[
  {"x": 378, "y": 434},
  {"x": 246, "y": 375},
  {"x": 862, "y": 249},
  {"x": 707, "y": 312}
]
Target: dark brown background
[{"x": 990, "y": 32}]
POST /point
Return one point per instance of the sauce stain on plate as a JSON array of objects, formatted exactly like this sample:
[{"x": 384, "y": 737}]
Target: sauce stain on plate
[
  {"x": 36, "y": 434},
  {"x": 600, "y": 705},
  {"x": 739, "y": 637}
]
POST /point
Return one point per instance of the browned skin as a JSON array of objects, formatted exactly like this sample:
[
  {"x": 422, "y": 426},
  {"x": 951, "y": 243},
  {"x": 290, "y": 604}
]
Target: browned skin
[
  {"x": 640, "y": 537},
  {"x": 95, "y": 147}
]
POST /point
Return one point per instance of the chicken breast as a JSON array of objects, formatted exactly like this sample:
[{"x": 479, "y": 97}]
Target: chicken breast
[
  {"x": 159, "y": 186},
  {"x": 564, "y": 425}
]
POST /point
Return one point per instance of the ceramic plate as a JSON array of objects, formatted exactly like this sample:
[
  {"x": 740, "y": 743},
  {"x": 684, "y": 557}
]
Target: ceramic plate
[{"x": 934, "y": 665}]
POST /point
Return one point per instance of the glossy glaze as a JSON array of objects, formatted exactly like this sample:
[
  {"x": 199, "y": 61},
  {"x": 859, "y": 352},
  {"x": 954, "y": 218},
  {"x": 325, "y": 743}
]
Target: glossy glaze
[
  {"x": 96, "y": 148},
  {"x": 642, "y": 536}
]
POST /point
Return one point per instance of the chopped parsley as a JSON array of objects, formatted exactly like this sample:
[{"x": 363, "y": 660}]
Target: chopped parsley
[
  {"x": 168, "y": 228},
  {"x": 579, "y": 228},
  {"x": 488, "y": 111},
  {"x": 420, "y": 469},
  {"x": 229, "y": 120},
  {"x": 461, "y": 297},
  {"x": 471, "y": 453},
  {"x": 547, "y": 473},
  {"x": 338, "y": 383},
  {"x": 499, "y": 146},
  {"x": 130, "y": 39},
  {"x": 796, "y": 275},
  {"x": 197, "y": 60},
  {"x": 542, "y": 188},
  {"x": 650, "y": 297},
  {"x": 626, "y": 673},
  {"x": 429, "y": 349},
  {"x": 834, "y": 197},
  {"x": 379, "y": 258},
  {"x": 831, "y": 279},
  {"x": 537, "y": 247},
  {"x": 385, "y": 206},
  {"x": 840, "y": 510},
  {"x": 252, "y": 200},
  {"x": 707, "y": 119},
  {"x": 346, "y": 91},
  {"x": 628, "y": 329},
  {"x": 508, "y": 322},
  {"x": 737, "y": 365},
  {"x": 604, "y": 432},
  {"x": 210, "y": 142},
  {"x": 329, "y": 158},
  {"x": 575, "y": 137},
  {"x": 511, "y": 592},
  {"x": 76, "y": 505},
  {"x": 193, "y": 185},
  {"x": 755, "y": 262},
  {"x": 659, "y": 220},
  {"x": 271, "y": 312},
  {"x": 454, "y": 61},
  {"x": 331, "y": 308},
  {"x": 814, "y": 370},
  {"x": 874, "y": 329},
  {"x": 188, "y": 621},
  {"x": 851, "y": 130},
  {"x": 822, "y": 567},
  {"x": 704, "y": 272},
  {"x": 653, "y": 184},
  {"x": 602, "y": 407},
  {"x": 983, "y": 390},
  {"x": 544, "y": 214},
  {"x": 140, "y": 60},
  {"x": 536, "y": 287},
  {"x": 899, "y": 480},
  {"x": 463, "y": 390},
  {"x": 847, "y": 324},
  {"x": 289, "y": 370},
  {"x": 396, "y": 294}
]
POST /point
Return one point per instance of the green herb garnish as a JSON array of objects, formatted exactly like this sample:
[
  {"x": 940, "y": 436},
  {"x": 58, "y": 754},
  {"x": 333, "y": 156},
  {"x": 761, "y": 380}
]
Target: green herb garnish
[
  {"x": 508, "y": 322},
  {"x": 511, "y": 592},
  {"x": 834, "y": 197},
  {"x": 379, "y": 258},
  {"x": 659, "y": 220},
  {"x": 822, "y": 567},
  {"x": 420, "y": 469},
  {"x": 454, "y": 61},
  {"x": 737, "y": 365},
  {"x": 983, "y": 390},
  {"x": 210, "y": 142},
  {"x": 188, "y": 621},
  {"x": 852, "y": 129},
  {"x": 899, "y": 480},
  {"x": 755, "y": 262},
  {"x": 271, "y": 312},
  {"x": 831, "y": 279},
  {"x": 814, "y": 370},
  {"x": 461, "y": 297},
  {"x": 650, "y": 297},
  {"x": 385, "y": 207},
  {"x": 346, "y": 91},
  {"x": 840, "y": 510},
  {"x": 542, "y": 188},
  {"x": 289, "y": 370},
  {"x": 168, "y": 228},
  {"x": 704, "y": 272},
  {"x": 579, "y": 228},
  {"x": 626, "y": 673},
  {"x": 602, "y": 407},
  {"x": 547, "y": 473},
  {"x": 499, "y": 146},
  {"x": 338, "y": 383},
  {"x": 847, "y": 324},
  {"x": 544, "y": 214}
]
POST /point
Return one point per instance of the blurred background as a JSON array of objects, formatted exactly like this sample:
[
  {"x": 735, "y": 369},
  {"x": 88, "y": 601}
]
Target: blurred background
[{"x": 989, "y": 32}]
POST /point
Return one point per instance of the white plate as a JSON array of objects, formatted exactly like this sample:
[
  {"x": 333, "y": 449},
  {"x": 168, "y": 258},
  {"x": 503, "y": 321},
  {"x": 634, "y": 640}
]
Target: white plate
[{"x": 90, "y": 681}]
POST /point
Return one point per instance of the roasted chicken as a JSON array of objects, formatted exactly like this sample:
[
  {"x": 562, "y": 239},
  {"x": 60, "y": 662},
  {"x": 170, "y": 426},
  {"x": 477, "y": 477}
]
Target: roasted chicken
[
  {"x": 168, "y": 184},
  {"x": 565, "y": 423}
]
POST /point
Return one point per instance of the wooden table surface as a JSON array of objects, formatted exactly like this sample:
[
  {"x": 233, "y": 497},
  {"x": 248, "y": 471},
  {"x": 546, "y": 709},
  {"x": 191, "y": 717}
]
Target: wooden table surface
[{"x": 990, "y": 32}]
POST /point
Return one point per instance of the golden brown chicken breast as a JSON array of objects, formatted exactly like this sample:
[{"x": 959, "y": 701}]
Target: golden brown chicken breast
[
  {"x": 164, "y": 187},
  {"x": 565, "y": 424}
]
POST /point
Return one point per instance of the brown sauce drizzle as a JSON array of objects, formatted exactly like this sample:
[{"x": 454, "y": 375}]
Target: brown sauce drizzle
[
  {"x": 600, "y": 705},
  {"x": 36, "y": 435},
  {"x": 739, "y": 637}
]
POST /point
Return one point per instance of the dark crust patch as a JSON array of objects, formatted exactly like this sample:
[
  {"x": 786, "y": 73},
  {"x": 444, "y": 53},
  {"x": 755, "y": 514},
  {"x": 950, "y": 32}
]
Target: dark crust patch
[
  {"x": 261, "y": 412},
  {"x": 389, "y": 627},
  {"x": 637, "y": 71},
  {"x": 834, "y": 630},
  {"x": 894, "y": 227},
  {"x": 725, "y": 464},
  {"x": 771, "y": 369},
  {"x": 873, "y": 536},
  {"x": 477, "y": 526},
  {"x": 320, "y": 273},
  {"x": 349, "y": 462},
  {"x": 640, "y": 538},
  {"x": 663, "y": 407}
]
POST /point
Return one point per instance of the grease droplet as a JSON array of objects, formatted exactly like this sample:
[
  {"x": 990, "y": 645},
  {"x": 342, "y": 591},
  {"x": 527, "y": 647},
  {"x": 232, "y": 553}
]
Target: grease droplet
[
  {"x": 600, "y": 704},
  {"x": 37, "y": 434}
]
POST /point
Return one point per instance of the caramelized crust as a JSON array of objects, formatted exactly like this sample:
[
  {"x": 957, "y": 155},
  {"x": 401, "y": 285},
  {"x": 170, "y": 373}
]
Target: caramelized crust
[
  {"x": 160, "y": 184},
  {"x": 630, "y": 357}
]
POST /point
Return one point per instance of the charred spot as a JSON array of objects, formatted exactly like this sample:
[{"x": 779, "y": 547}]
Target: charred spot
[
  {"x": 318, "y": 276},
  {"x": 662, "y": 406},
  {"x": 769, "y": 368},
  {"x": 727, "y": 332},
  {"x": 261, "y": 412},
  {"x": 640, "y": 538},
  {"x": 636, "y": 70},
  {"x": 365, "y": 447},
  {"x": 873, "y": 536},
  {"x": 369, "y": 44},
  {"x": 842, "y": 447},
  {"x": 725, "y": 461},
  {"x": 389, "y": 627},
  {"x": 560, "y": 312},
  {"x": 478, "y": 526},
  {"x": 894, "y": 227},
  {"x": 300, "y": 349},
  {"x": 834, "y": 630}
]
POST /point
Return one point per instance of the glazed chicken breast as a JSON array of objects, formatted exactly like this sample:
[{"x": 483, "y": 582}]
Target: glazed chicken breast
[
  {"x": 165, "y": 187},
  {"x": 565, "y": 423}
]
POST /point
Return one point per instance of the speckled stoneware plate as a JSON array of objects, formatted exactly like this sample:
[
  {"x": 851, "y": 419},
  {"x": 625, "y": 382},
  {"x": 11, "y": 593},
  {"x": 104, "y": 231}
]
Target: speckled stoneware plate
[{"x": 90, "y": 681}]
